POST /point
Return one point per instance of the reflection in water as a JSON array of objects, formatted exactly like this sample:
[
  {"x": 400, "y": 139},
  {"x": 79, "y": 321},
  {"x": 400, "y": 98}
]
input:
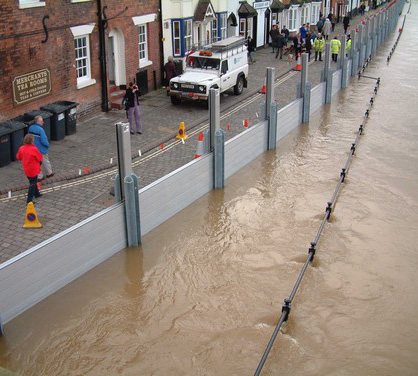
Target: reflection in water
[{"x": 204, "y": 292}]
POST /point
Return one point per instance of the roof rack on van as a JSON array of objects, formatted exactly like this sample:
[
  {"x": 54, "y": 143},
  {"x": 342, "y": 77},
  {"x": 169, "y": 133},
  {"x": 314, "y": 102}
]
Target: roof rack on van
[{"x": 227, "y": 44}]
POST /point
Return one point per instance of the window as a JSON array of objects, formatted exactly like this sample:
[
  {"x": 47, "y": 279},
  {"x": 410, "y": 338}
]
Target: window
[
  {"x": 305, "y": 14},
  {"x": 143, "y": 45},
  {"x": 188, "y": 35},
  {"x": 222, "y": 23},
  {"x": 214, "y": 30},
  {"x": 82, "y": 58},
  {"x": 293, "y": 18},
  {"x": 176, "y": 36},
  {"x": 31, "y": 3},
  {"x": 224, "y": 67},
  {"x": 242, "y": 26},
  {"x": 315, "y": 13}
]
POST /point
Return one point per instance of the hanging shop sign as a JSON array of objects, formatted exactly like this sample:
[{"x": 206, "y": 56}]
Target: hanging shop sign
[{"x": 30, "y": 86}]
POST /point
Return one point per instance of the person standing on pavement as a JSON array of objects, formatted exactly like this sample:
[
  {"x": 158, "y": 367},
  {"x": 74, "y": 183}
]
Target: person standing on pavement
[
  {"x": 170, "y": 71},
  {"x": 131, "y": 97},
  {"x": 286, "y": 33},
  {"x": 41, "y": 142},
  {"x": 320, "y": 25},
  {"x": 280, "y": 45},
  {"x": 319, "y": 46},
  {"x": 346, "y": 23},
  {"x": 296, "y": 45},
  {"x": 348, "y": 45},
  {"x": 326, "y": 29},
  {"x": 302, "y": 31},
  {"x": 274, "y": 35},
  {"x": 335, "y": 49},
  {"x": 251, "y": 49},
  {"x": 308, "y": 45},
  {"x": 333, "y": 22},
  {"x": 31, "y": 159}
]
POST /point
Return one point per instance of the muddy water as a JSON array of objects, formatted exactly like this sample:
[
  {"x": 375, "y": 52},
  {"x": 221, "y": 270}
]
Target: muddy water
[{"x": 202, "y": 296}]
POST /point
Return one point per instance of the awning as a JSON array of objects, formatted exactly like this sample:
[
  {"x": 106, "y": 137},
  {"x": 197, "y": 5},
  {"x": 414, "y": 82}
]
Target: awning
[{"x": 246, "y": 10}]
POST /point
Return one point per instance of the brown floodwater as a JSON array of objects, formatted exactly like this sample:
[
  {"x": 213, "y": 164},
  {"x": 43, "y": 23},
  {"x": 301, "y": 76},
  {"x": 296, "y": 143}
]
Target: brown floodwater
[{"x": 204, "y": 293}]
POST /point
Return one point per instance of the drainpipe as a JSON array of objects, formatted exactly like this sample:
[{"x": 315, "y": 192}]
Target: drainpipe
[
  {"x": 102, "y": 57},
  {"x": 161, "y": 42}
]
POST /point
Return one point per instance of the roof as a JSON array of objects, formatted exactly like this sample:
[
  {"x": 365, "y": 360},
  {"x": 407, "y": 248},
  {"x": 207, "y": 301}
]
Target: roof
[
  {"x": 203, "y": 9},
  {"x": 277, "y": 6},
  {"x": 246, "y": 9}
]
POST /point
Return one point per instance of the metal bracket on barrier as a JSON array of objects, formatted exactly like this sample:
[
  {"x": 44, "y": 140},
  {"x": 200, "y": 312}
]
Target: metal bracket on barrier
[
  {"x": 343, "y": 174},
  {"x": 312, "y": 250},
  {"x": 353, "y": 148},
  {"x": 328, "y": 210},
  {"x": 286, "y": 308}
]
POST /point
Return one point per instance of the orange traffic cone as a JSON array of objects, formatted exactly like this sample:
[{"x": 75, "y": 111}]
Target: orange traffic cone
[
  {"x": 38, "y": 185},
  {"x": 246, "y": 123},
  {"x": 86, "y": 170},
  {"x": 298, "y": 64},
  {"x": 199, "y": 150},
  {"x": 263, "y": 89}
]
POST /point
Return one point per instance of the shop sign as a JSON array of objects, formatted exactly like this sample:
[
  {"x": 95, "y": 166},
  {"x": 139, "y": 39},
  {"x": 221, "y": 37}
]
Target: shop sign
[
  {"x": 30, "y": 86},
  {"x": 262, "y": 4}
]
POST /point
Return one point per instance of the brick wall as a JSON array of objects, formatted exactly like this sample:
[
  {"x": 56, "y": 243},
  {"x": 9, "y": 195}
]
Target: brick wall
[{"x": 22, "y": 50}]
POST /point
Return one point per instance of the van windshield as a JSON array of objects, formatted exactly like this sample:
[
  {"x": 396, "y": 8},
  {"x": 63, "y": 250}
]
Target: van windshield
[{"x": 201, "y": 62}]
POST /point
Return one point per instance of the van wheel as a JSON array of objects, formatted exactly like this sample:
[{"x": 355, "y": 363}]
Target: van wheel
[
  {"x": 239, "y": 87},
  {"x": 175, "y": 100}
]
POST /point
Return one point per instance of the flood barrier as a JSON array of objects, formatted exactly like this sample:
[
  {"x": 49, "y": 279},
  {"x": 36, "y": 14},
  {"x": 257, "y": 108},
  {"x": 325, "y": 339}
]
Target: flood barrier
[{"x": 40, "y": 271}]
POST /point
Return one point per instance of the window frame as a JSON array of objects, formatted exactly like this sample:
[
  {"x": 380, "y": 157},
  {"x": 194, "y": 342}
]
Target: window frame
[
  {"x": 214, "y": 30},
  {"x": 176, "y": 37},
  {"x": 188, "y": 38},
  {"x": 293, "y": 10},
  {"x": 222, "y": 25},
  {"x": 85, "y": 79},
  {"x": 144, "y": 60},
  {"x": 24, "y": 4}
]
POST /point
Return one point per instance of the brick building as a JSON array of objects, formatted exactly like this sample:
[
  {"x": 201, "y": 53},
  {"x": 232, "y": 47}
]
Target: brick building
[{"x": 63, "y": 50}]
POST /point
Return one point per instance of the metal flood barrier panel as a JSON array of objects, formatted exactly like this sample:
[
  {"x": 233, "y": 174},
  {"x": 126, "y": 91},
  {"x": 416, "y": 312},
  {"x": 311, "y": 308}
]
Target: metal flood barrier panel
[
  {"x": 40, "y": 271},
  {"x": 168, "y": 195},
  {"x": 317, "y": 97},
  {"x": 245, "y": 147},
  {"x": 336, "y": 81},
  {"x": 289, "y": 117}
]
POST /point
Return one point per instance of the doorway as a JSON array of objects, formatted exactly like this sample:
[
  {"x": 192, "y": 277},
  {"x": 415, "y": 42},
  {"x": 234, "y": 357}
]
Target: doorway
[{"x": 116, "y": 58}]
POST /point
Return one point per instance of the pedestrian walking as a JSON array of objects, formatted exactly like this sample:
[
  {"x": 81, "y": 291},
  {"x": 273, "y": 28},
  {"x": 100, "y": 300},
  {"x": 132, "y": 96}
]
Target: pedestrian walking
[
  {"x": 319, "y": 46},
  {"x": 42, "y": 143},
  {"x": 326, "y": 30},
  {"x": 333, "y": 22},
  {"x": 280, "y": 45},
  {"x": 346, "y": 23},
  {"x": 131, "y": 100},
  {"x": 296, "y": 45},
  {"x": 31, "y": 159},
  {"x": 274, "y": 35},
  {"x": 335, "y": 48},
  {"x": 170, "y": 71},
  {"x": 251, "y": 49},
  {"x": 302, "y": 32}
]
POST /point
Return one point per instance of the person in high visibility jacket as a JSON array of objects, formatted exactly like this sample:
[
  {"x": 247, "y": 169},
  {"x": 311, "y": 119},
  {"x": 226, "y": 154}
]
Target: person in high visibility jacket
[
  {"x": 335, "y": 48},
  {"x": 348, "y": 45},
  {"x": 319, "y": 46}
]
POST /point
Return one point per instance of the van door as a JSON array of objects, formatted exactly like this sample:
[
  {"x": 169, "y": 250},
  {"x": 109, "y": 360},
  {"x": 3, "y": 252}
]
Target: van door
[{"x": 226, "y": 82}]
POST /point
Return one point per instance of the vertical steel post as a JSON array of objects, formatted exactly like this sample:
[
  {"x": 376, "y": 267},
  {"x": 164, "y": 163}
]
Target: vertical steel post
[
  {"x": 304, "y": 74},
  {"x": 328, "y": 73},
  {"x": 219, "y": 160},
  {"x": 214, "y": 115},
  {"x": 361, "y": 46},
  {"x": 130, "y": 212},
  {"x": 306, "y": 103},
  {"x": 272, "y": 127},
  {"x": 123, "y": 141},
  {"x": 354, "y": 54},
  {"x": 341, "y": 57},
  {"x": 327, "y": 60},
  {"x": 269, "y": 91}
]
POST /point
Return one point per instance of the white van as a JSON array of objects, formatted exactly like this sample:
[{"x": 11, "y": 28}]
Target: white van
[{"x": 223, "y": 65}]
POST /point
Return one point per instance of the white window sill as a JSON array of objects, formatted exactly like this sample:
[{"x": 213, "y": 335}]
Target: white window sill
[
  {"x": 79, "y": 1},
  {"x": 85, "y": 83},
  {"x": 33, "y": 5},
  {"x": 145, "y": 63}
]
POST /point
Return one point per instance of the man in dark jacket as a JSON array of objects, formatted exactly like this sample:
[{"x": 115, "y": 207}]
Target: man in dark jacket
[
  {"x": 274, "y": 34},
  {"x": 170, "y": 71},
  {"x": 280, "y": 45},
  {"x": 346, "y": 22},
  {"x": 286, "y": 33},
  {"x": 320, "y": 25}
]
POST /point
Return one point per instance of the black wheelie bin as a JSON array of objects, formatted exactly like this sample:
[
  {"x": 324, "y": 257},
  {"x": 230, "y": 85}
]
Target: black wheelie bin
[
  {"x": 57, "y": 120},
  {"x": 70, "y": 116},
  {"x": 16, "y": 136},
  {"x": 4, "y": 146}
]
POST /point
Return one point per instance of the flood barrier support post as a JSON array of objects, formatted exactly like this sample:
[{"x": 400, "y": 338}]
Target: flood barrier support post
[
  {"x": 269, "y": 92},
  {"x": 118, "y": 194},
  {"x": 344, "y": 74},
  {"x": 304, "y": 89},
  {"x": 219, "y": 160},
  {"x": 214, "y": 116},
  {"x": 341, "y": 55},
  {"x": 126, "y": 185},
  {"x": 328, "y": 74},
  {"x": 354, "y": 55},
  {"x": 1, "y": 327},
  {"x": 360, "y": 46},
  {"x": 272, "y": 127}
]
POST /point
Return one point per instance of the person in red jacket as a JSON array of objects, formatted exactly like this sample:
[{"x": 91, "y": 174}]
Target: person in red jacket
[{"x": 31, "y": 162}]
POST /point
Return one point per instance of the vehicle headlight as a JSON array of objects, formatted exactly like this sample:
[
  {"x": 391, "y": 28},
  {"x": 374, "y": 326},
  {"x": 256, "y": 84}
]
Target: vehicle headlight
[
  {"x": 175, "y": 85},
  {"x": 202, "y": 88}
]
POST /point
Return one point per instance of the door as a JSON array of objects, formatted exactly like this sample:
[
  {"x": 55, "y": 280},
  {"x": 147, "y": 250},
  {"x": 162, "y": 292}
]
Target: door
[
  {"x": 266, "y": 27},
  {"x": 225, "y": 76},
  {"x": 111, "y": 60}
]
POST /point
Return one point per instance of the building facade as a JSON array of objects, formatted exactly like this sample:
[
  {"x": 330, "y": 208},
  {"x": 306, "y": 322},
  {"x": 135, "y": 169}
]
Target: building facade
[{"x": 75, "y": 50}]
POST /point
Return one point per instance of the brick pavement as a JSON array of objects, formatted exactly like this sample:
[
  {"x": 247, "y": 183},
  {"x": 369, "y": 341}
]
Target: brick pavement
[{"x": 69, "y": 198}]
